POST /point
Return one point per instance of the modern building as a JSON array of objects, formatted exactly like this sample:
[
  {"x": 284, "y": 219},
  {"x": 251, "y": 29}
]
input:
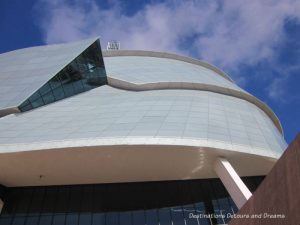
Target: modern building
[{"x": 127, "y": 137}]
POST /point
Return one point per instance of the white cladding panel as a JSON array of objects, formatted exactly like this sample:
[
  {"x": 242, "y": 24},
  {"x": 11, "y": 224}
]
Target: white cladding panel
[{"x": 106, "y": 112}]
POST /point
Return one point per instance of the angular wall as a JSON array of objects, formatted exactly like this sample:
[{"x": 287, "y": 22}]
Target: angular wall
[{"x": 277, "y": 199}]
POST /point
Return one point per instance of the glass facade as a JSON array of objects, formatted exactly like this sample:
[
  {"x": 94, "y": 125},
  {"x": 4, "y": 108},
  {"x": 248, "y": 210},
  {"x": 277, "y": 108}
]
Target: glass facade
[
  {"x": 85, "y": 72},
  {"x": 151, "y": 203}
]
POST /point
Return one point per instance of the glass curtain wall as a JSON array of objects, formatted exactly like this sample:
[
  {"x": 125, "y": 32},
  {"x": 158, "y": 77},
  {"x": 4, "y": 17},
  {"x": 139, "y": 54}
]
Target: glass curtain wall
[
  {"x": 85, "y": 72},
  {"x": 151, "y": 203}
]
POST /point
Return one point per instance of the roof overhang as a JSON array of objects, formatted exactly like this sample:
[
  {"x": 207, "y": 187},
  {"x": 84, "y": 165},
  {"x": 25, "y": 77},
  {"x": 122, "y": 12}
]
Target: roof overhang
[{"x": 127, "y": 162}]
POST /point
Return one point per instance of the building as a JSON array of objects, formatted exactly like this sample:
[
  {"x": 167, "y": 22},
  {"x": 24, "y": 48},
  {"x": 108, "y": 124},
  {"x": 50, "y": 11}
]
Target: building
[{"x": 127, "y": 137}]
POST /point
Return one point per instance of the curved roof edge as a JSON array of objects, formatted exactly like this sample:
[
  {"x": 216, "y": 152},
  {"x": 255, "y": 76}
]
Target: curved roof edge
[
  {"x": 107, "y": 163},
  {"x": 138, "y": 141},
  {"x": 121, "y": 84},
  {"x": 168, "y": 56}
]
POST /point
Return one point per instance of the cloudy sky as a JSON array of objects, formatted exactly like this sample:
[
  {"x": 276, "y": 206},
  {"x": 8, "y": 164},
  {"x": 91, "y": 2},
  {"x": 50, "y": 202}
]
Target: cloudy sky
[{"x": 257, "y": 42}]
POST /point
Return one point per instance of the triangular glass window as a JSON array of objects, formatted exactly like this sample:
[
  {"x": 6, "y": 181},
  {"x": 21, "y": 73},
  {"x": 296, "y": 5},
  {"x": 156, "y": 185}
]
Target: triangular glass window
[{"x": 85, "y": 72}]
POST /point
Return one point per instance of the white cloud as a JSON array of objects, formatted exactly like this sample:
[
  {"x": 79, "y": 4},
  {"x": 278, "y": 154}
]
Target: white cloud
[
  {"x": 278, "y": 86},
  {"x": 225, "y": 33},
  {"x": 275, "y": 90},
  {"x": 247, "y": 33}
]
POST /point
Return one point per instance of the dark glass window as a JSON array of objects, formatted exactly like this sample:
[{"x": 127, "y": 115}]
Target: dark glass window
[
  {"x": 87, "y": 199},
  {"x": 99, "y": 219},
  {"x": 138, "y": 217},
  {"x": 48, "y": 98},
  {"x": 45, "y": 220},
  {"x": 82, "y": 74},
  {"x": 37, "y": 200},
  {"x": 61, "y": 205},
  {"x": 112, "y": 218},
  {"x": 75, "y": 199},
  {"x": 189, "y": 210},
  {"x": 72, "y": 219},
  {"x": 151, "y": 217},
  {"x": 126, "y": 218},
  {"x": 201, "y": 210},
  {"x": 19, "y": 220},
  {"x": 151, "y": 203},
  {"x": 49, "y": 200},
  {"x": 58, "y": 219},
  {"x": 85, "y": 219},
  {"x": 164, "y": 216},
  {"x": 5, "y": 220},
  {"x": 58, "y": 93}
]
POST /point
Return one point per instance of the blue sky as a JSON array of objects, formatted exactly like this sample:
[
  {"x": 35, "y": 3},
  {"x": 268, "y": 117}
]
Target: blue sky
[{"x": 256, "y": 42}]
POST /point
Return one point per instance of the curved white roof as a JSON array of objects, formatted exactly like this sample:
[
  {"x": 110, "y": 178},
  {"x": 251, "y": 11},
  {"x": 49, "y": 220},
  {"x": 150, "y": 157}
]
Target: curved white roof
[{"x": 24, "y": 71}]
